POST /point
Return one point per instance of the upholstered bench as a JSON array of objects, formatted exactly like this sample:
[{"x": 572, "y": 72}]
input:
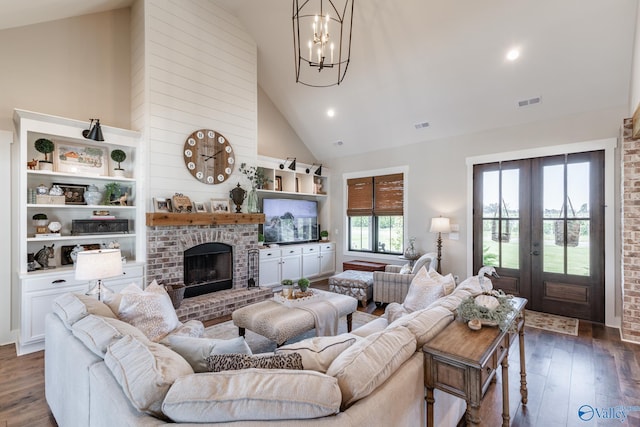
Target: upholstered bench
[{"x": 357, "y": 284}]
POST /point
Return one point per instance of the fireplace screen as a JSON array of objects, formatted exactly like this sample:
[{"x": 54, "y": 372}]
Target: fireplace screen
[{"x": 208, "y": 268}]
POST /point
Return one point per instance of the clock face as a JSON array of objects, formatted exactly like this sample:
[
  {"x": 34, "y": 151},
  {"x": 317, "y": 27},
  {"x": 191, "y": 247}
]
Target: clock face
[{"x": 208, "y": 156}]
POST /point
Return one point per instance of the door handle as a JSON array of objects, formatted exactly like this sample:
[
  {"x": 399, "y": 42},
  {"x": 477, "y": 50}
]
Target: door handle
[{"x": 536, "y": 253}]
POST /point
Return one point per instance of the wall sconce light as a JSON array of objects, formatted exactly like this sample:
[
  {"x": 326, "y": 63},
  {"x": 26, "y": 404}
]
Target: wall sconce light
[
  {"x": 94, "y": 132},
  {"x": 318, "y": 171},
  {"x": 292, "y": 165}
]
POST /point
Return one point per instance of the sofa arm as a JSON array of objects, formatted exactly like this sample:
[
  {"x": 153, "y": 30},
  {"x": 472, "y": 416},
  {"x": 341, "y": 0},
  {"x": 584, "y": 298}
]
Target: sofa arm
[
  {"x": 390, "y": 287},
  {"x": 391, "y": 268}
]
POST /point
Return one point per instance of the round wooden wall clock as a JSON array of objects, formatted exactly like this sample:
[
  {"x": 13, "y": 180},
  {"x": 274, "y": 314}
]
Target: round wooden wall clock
[{"x": 208, "y": 156}]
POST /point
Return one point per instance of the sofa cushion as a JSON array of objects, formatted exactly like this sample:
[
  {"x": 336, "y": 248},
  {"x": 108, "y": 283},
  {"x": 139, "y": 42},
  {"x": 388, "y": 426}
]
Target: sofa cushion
[
  {"x": 197, "y": 350},
  {"x": 318, "y": 352},
  {"x": 369, "y": 362},
  {"x": 145, "y": 372},
  {"x": 422, "y": 292},
  {"x": 97, "y": 332},
  {"x": 252, "y": 395},
  {"x": 233, "y": 362},
  {"x": 394, "y": 311},
  {"x": 71, "y": 307},
  {"x": 151, "y": 311},
  {"x": 424, "y": 324},
  {"x": 469, "y": 287}
]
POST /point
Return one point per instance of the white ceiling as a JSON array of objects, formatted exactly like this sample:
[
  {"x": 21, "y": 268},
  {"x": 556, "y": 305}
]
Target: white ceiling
[{"x": 435, "y": 61}]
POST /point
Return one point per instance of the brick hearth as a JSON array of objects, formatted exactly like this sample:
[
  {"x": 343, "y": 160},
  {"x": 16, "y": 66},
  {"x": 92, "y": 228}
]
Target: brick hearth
[{"x": 221, "y": 303}]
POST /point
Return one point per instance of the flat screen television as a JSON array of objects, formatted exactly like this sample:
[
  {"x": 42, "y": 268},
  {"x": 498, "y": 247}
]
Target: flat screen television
[{"x": 290, "y": 221}]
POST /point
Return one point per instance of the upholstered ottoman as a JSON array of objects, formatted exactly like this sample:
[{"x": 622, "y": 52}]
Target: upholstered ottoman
[
  {"x": 357, "y": 284},
  {"x": 279, "y": 322}
]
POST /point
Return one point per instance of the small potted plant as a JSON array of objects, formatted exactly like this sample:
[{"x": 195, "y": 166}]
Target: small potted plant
[
  {"x": 303, "y": 284},
  {"x": 45, "y": 147},
  {"x": 287, "y": 288},
  {"x": 118, "y": 156},
  {"x": 260, "y": 239},
  {"x": 324, "y": 235},
  {"x": 111, "y": 191}
]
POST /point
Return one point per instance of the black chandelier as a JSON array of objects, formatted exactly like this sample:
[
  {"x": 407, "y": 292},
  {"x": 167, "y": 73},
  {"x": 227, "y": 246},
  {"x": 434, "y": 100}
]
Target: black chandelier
[{"x": 322, "y": 40}]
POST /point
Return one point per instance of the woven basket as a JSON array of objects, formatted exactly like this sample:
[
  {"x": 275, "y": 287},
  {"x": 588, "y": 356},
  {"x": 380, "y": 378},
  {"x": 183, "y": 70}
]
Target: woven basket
[{"x": 176, "y": 293}]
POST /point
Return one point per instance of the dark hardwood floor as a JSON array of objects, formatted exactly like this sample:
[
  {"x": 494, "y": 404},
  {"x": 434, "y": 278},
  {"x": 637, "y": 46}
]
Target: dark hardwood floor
[{"x": 563, "y": 373}]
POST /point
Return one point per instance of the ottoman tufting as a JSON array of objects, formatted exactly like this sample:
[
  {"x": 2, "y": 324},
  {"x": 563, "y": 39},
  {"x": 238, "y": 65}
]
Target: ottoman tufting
[{"x": 357, "y": 284}]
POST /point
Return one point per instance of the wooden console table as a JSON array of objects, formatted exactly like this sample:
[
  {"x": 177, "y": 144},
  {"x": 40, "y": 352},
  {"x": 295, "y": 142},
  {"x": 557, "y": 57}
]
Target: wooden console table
[{"x": 463, "y": 362}]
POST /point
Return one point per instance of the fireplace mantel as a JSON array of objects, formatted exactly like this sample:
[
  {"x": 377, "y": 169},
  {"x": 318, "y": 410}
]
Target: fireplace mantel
[{"x": 167, "y": 219}]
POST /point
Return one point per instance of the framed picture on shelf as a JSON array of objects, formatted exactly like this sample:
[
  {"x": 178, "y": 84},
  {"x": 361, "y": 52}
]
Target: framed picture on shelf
[
  {"x": 73, "y": 193},
  {"x": 199, "y": 207},
  {"x": 161, "y": 204},
  {"x": 278, "y": 184},
  {"x": 65, "y": 252},
  {"x": 81, "y": 159},
  {"x": 220, "y": 206}
]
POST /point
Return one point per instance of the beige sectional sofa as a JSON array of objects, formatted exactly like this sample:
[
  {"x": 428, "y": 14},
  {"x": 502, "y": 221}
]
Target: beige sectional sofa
[{"x": 100, "y": 371}]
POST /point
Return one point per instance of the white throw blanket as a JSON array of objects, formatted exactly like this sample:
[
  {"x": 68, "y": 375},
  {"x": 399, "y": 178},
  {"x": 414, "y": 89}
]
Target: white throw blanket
[{"x": 325, "y": 315}]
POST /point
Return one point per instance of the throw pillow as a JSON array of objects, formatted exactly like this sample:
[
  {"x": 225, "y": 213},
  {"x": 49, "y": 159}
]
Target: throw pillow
[
  {"x": 318, "y": 352},
  {"x": 145, "y": 372},
  {"x": 361, "y": 368},
  {"x": 113, "y": 300},
  {"x": 232, "y": 362},
  {"x": 151, "y": 312},
  {"x": 422, "y": 292},
  {"x": 72, "y": 307},
  {"x": 406, "y": 269},
  {"x": 197, "y": 350},
  {"x": 255, "y": 395},
  {"x": 394, "y": 311},
  {"x": 191, "y": 328},
  {"x": 424, "y": 261},
  {"x": 448, "y": 282}
]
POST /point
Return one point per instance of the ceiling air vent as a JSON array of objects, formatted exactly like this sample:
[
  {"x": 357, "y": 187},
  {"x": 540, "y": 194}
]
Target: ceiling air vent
[
  {"x": 531, "y": 101},
  {"x": 421, "y": 125}
]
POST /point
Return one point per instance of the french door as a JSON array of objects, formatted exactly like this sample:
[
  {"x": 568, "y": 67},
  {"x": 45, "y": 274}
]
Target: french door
[{"x": 540, "y": 223}]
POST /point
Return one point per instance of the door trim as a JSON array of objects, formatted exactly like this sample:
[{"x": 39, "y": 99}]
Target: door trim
[{"x": 611, "y": 294}]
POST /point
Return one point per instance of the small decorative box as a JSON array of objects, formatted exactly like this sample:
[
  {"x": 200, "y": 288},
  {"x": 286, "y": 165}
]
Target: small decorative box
[
  {"x": 45, "y": 199},
  {"x": 97, "y": 226}
]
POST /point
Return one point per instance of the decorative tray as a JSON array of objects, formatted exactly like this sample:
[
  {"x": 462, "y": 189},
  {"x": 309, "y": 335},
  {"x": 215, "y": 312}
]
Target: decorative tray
[{"x": 307, "y": 296}]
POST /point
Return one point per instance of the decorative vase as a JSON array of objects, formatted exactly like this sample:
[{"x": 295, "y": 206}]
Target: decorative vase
[
  {"x": 410, "y": 252},
  {"x": 56, "y": 191},
  {"x": 252, "y": 201},
  {"x": 92, "y": 196},
  {"x": 42, "y": 189},
  {"x": 237, "y": 195}
]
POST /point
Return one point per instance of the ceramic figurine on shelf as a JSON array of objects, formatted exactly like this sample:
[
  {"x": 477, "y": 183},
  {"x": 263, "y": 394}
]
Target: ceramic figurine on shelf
[{"x": 44, "y": 256}]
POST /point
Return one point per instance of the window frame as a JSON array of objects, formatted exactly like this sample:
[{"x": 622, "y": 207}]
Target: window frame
[{"x": 404, "y": 170}]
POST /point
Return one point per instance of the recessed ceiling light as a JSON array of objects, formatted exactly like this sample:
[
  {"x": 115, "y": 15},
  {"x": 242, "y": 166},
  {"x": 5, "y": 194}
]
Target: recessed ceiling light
[
  {"x": 331, "y": 112},
  {"x": 513, "y": 54},
  {"x": 338, "y": 143}
]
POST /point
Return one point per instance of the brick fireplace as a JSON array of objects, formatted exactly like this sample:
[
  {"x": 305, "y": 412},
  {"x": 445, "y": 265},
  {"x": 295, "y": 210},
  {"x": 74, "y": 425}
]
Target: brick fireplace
[{"x": 166, "y": 245}]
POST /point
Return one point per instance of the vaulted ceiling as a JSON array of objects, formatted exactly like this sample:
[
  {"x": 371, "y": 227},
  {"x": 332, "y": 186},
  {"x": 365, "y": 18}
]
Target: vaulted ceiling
[{"x": 441, "y": 62}]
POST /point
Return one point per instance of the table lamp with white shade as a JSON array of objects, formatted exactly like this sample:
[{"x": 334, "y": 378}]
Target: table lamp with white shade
[
  {"x": 97, "y": 265},
  {"x": 440, "y": 225}
]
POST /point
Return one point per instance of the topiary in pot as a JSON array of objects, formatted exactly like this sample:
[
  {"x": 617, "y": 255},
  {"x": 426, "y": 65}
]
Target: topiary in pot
[
  {"x": 118, "y": 156},
  {"x": 324, "y": 235},
  {"x": 45, "y": 147}
]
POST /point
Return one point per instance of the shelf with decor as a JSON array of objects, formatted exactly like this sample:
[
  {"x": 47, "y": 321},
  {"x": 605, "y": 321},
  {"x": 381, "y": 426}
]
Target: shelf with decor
[
  {"x": 302, "y": 180},
  {"x": 70, "y": 193}
]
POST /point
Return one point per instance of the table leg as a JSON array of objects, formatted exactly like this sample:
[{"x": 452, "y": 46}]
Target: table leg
[
  {"x": 430, "y": 401},
  {"x": 241, "y": 332},
  {"x": 505, "y": 390},
  {"x": 524, "y": 393},
  {"x": 473, "y": 414},
  {"x": 349, "y": 321}
]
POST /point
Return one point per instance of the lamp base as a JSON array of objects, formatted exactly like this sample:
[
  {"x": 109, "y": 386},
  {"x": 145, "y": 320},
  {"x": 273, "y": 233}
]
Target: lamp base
[{"x": 100, "y": 291}]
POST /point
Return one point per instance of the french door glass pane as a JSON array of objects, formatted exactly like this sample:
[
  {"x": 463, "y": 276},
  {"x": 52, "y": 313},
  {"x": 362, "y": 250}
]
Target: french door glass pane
[
  {"x": 360, "y": 233},
  {"x": 553, "y": 261},
  {"x": 490, "y": 195},
  {"x": 490, "y": 249},
  {"x": 511, "y": 193},
  {"x": 578, "y": 190},
  {"x": 553, "y": 190},
  {"x": 578, "y": 249}
]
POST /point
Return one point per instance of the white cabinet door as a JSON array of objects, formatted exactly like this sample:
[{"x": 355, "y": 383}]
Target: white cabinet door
[
  {"x": 269, "y": 272},
  {"x": 310, "y": 260},
  {"x": 327, "y": 258}
]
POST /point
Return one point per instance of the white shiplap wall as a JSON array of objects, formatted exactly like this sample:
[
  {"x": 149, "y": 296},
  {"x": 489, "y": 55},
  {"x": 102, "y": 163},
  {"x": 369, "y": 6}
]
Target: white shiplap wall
[{"x": 194, "y": 67}]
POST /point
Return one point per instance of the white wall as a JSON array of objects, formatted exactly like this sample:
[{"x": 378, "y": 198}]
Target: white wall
[
  {"x": 438, "y": 176},
  {"x": 199, "y": 72},
  {"x": 6, "y": 336},
  {"x": 634, "y": 97}
]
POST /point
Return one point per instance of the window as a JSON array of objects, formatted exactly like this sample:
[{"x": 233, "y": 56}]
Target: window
[{"x": 375, "y": 212}]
